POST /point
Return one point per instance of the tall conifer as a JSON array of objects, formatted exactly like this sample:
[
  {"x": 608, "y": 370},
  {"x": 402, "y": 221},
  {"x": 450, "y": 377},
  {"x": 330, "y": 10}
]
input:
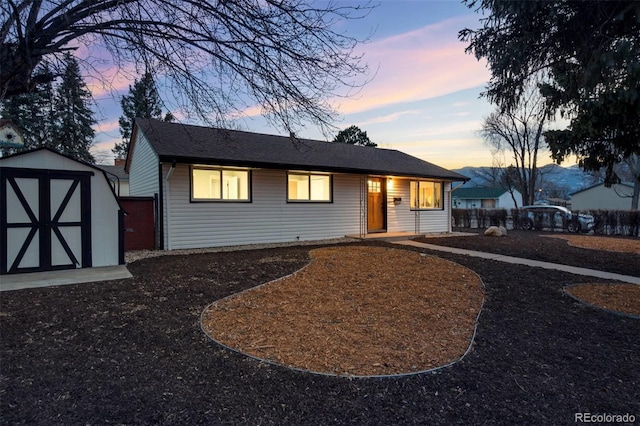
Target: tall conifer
[
  {"x": 73, "y": 132},
  {"x": 142, "y": 101}
]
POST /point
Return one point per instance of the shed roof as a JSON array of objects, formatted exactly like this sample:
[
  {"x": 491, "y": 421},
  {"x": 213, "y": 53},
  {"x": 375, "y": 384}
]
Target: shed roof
[
  {"x": 478, "y": 193},
  {"x": 206, "y": 145}
]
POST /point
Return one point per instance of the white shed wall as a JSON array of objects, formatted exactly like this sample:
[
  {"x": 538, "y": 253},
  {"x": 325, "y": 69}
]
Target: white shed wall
[{"x": 104, "y": 207}]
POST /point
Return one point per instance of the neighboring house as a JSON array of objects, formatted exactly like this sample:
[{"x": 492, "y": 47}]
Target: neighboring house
[
  {"x": 118, "y": 178},
  {"x": 10, "y": 135},
  {"x": 222, "y": 187},
  {"x": 485, "y": 198},
  {"x": 56, "y": 213},
  {"x": 599, "y": 197}
]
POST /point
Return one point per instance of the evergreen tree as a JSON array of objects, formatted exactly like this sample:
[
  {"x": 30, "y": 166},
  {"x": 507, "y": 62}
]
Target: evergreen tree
[
  {"x": 33, "y": 114},
  {"x": 73, "y": 133},
  {"x": 142, "y": 101},
  {"x": 590, "y": 51},
  {"x": 354, "y": 136}
]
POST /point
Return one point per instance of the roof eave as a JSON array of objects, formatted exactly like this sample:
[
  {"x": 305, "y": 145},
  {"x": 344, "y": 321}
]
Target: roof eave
[{"x": 166, "y": 158}]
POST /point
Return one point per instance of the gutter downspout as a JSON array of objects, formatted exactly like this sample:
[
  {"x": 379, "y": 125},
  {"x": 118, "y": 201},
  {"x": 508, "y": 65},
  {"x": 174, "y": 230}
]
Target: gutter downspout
[{"x": 168, "y": 201}]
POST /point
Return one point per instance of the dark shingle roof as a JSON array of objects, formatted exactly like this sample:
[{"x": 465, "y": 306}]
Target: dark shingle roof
[
  {"x": 478, "y": 193},
  {"x": 114, "y": 170},
  {"x": 205, "y": 145}
]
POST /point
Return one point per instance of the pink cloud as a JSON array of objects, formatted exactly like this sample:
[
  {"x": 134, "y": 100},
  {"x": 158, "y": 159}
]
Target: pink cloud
[{"x": 421, "y": 64}]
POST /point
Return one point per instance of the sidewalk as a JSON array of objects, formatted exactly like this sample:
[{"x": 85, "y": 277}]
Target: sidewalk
[
  {"x": 64, "y": 277},
  {"x": 527, "y": 262}
]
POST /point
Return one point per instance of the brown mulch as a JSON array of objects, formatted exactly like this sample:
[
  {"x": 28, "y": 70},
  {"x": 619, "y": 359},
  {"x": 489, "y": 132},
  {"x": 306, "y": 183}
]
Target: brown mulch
[
  {"x": 594, "y": 242},
  {"x": 356, "y": 311},
  {"x": 624, "y": 298},
  {"x": 133, "y": 352},
  {"x": 607, "y": 253}
]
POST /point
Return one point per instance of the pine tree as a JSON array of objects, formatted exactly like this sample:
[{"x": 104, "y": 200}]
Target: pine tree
[
  {"x": 73, "y": 133},
  {"x": 142, "y": 101},
  {"x": 33, "y": 114}
]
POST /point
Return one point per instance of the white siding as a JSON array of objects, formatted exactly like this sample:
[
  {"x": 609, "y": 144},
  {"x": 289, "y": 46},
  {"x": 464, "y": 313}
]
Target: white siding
[
  {"x": 143, "y": 170},
  {"x": 618, "y": 197},
  {"x": 506, "y": 200},
  {"x": 400, "y": 218},
  {"x": 267, "y": 218}
]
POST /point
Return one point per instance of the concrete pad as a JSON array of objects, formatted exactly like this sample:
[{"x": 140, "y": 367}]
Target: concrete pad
[{"x": 65, "y": 277}]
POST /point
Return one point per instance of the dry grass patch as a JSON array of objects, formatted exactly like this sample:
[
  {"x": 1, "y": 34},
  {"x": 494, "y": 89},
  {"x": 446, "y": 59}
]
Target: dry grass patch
[
  {"x": 355, "y": 311},
  {"x": 623, "y": 298},
  {"x": 622, "y": 245}
]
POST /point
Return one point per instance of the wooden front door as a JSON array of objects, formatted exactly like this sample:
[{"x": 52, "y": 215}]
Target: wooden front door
[
  {"x": 46, "y": 220},
  {"x": 376, "y": 204}
]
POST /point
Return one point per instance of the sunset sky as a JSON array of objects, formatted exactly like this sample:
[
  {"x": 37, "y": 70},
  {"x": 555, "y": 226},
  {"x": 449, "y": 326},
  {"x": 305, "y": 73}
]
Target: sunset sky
[{"x": 424, "y": 99}]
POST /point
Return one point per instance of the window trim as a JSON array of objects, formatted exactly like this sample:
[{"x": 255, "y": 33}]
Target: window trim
[
  {"x": 442, "y": 184},
  {"x": 221, "y": 170},
  {"x": 309, "y": 174}
]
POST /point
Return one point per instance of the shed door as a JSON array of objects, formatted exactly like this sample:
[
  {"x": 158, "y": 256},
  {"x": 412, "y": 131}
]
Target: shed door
[{"x": 46, "y": 220}]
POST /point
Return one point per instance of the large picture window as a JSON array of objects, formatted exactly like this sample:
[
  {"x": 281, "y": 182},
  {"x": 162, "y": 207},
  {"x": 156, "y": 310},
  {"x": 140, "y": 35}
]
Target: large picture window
[
  {"x": 308, "y": 187},
  {"x": 426, "y": 195},
  {"x": 219, "y": 184}
]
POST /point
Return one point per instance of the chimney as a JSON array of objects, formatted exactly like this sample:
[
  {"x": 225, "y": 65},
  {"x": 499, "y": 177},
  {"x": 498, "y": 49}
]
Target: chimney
[{"x": 120, "y": 162}]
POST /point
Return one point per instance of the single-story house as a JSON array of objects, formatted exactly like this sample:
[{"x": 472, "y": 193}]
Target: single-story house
[
  {"x": 485, "y": 198},
  {"x": 599, "y": 197},
  {"x": 220, "y": 187},
  {"x": 118, "y": 178},
  {"x": 56, "y": 213}
]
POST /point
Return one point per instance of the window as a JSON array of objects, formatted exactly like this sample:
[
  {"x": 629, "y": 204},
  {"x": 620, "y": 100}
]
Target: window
[
  {"x": 374, "y": 186},
  {"x": 426, "y": 195},
  {"x": 308, "y": 187},
  {"x": 488, "y": 204},
  {"x": 219, "y": 185}
]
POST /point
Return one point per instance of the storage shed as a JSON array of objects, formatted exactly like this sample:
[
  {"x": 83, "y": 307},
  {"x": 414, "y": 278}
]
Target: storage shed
[{"x": 56, "y": 213}]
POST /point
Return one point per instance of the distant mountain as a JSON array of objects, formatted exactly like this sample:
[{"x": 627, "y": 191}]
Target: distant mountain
[{"x": 555, "y": 180}]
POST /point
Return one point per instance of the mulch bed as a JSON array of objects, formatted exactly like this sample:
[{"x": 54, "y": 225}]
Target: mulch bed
[
  {"x": 357, "y": 311},
  {"x": 620, "y": 298},
  {"x": 538, "y": 246},
  {"x": 132, "y": 352}
]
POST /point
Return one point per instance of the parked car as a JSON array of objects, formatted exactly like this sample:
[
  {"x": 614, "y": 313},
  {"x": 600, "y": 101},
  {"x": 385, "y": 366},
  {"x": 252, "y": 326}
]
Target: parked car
[{"x": 548, "y": 216}]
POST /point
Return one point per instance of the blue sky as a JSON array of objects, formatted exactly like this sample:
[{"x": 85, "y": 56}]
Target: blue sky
[{"x": 424, "y": 99}]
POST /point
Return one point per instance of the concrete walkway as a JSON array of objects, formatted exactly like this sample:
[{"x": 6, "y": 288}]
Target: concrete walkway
[
  {"x": 64, "y": 277},
  {"x": 527, "y": 262}
]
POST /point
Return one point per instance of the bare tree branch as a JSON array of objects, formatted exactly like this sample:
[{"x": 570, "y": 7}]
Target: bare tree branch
[
  {"x": 218, "y": 57},
  {"x": 520, "y": 133}
]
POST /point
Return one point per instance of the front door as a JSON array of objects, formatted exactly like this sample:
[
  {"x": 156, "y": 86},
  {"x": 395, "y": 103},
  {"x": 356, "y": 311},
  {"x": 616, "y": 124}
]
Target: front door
[
  {"x": 46, "y": 220},
  {"x": 376, "y": 204}
]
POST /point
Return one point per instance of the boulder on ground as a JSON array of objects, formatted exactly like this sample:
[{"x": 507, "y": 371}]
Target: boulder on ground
[{"x": 493, "y": 231}]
